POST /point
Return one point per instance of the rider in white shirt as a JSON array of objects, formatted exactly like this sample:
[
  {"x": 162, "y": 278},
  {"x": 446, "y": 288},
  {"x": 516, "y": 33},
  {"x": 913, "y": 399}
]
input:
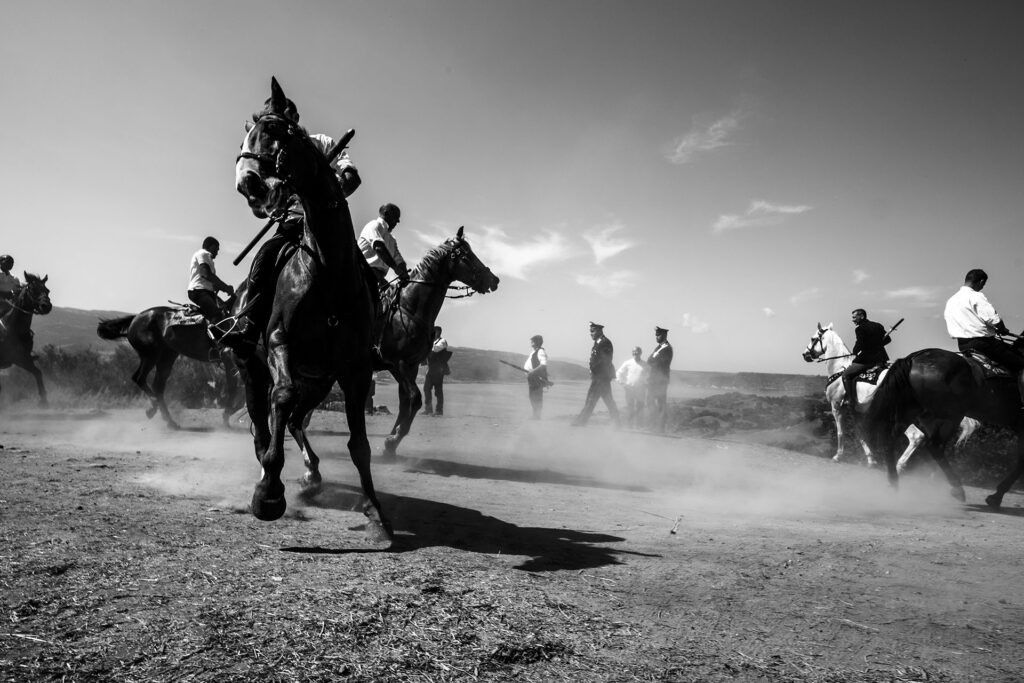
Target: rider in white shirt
[
  {"x": 9, "y": 284},
  {"x": 379, "y": 246}
]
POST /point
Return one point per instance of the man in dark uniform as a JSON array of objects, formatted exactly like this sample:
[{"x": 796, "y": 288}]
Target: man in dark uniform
[
  {"x": 868, "y": 351},
  {"x": 602, "y": 372},
  {"x": 659, "y": 363}
]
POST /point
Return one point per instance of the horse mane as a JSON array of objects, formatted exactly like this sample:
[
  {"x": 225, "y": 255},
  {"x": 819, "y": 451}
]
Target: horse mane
[
  {"x": 842, "y": 347},
  {"x": 430, "y": 260}
]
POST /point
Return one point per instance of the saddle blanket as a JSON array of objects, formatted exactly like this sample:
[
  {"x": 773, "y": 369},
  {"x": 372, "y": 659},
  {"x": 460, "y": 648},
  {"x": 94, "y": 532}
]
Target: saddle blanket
[
  {"x": 184, "y": 317},
  {"x": 989, "y": 368},
  {"x": 869, "y": 376}
]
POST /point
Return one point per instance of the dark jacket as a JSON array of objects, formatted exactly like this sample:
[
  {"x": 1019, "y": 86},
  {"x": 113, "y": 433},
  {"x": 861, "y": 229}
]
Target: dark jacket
[
  {"x": 870, "y": 346},
  {"x": 660, "y": 362},
  {"x": 601, "y": 366}
]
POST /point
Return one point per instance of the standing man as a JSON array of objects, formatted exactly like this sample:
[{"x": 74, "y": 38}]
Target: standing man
[
  {"x": 380, "y": 248},
  {"x": 974, "y": 323},
  {"x": 659, "y": 363},
  {"x": 9, "y": 284},
  {"x": 602, "y": 372},
  {"x": 868, "y": 351},
  {"x": 203, "y": 283},
  {"x": 536, "y": 367},
  {"x": 632, "y": 375},
  {"x": 437, "y": 368},
  {"x": 259, "y": 292}
]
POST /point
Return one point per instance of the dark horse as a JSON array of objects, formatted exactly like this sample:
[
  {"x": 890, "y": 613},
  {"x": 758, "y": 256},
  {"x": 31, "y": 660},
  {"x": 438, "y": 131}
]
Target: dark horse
[
  {"x": 408, "y": 329},
  {"x": 409, "y": 321},
  {"x": 935, "y": 389},
  {"x": 159, "y": 342},
  {"x": 323, "y": 312},
  {"x": 16, "y": 328}
]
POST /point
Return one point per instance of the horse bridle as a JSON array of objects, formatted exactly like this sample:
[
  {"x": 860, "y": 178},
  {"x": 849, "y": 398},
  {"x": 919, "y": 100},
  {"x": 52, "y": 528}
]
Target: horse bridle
[
  {"x": 819, "y": 340},
  {"x": 17, "y": 305},
  {"x": 466, "y": 290},
  {"x": 278, "y": 158}
]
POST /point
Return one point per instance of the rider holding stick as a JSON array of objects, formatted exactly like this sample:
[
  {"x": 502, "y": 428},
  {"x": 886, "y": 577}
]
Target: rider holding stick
[
  {"x": 868, "y": 351},
  {"x": 258, "y": 299}
]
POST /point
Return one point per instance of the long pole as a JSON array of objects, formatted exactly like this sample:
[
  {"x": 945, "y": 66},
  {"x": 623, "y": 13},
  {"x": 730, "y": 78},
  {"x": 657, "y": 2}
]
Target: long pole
[{"x": 332, "y": 154}]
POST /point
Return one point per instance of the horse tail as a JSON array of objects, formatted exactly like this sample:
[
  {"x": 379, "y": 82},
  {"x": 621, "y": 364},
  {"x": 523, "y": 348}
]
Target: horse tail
[
  {"x": 114, "y": 328},
  {"x": 888, "y": 404}
]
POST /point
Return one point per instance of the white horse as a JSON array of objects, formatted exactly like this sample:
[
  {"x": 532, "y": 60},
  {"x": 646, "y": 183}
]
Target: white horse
[{"x": 826, "y": 346}]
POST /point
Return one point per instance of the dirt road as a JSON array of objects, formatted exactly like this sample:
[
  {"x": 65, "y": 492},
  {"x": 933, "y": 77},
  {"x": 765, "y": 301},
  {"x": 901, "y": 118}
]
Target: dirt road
[{"x": 524, "y": 549}]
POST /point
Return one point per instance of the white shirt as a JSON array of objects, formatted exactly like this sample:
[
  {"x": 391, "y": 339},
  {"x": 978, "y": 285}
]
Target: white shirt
[
  {"x": 440, "y": 344},
  {"x": 969, "y": 315},
  {"x": 197, "y": 281},
  {"x": 9, "y": 283},
  {"x": 631, "y": 373},
  {"x": 376, "y": 230},
  {"x": 542, "y": 359}
]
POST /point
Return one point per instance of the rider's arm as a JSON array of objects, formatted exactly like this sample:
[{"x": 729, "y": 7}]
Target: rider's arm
[
  {"x": 398, "y": 266},
  {"x": 219, "y": 285}
]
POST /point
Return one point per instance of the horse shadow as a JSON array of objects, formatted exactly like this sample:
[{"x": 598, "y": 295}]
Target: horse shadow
[
  {"x": 447, "y": 468},
  {"x": 1009, "y": 512},
  {"x": 419, "y": 523}
]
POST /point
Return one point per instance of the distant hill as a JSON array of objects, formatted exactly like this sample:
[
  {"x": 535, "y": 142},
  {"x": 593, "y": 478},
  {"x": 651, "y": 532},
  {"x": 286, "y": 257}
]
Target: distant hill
[{"x": 73, "y": 329}]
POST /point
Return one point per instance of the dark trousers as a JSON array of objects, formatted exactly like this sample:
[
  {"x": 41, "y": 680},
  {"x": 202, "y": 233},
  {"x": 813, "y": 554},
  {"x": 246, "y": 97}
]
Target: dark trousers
[
  {"x": 434, "y": 381},
  {"x": 536, "y": 398},
  {"x": 599, "y": 389},
  {"x": 657, "y": 403},
  {"x": 208, "y": 304},
  {"x": 997, "y": 350},
  {"x": 850, "y": 380}
]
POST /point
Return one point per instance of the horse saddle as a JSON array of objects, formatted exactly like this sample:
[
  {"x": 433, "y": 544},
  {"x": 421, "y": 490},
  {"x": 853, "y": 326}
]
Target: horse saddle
[
  {"x": 989, "y": 368},
  {"x": 869, "y": 376},
  {"x": 186, "y": 316}
]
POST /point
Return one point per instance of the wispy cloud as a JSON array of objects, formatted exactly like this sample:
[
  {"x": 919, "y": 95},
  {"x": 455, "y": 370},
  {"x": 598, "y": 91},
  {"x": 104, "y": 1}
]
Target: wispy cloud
[
  {"x": 805, "y": 295},
  {"x": 703, "y": 138},
  {"x": 605, "y": 244},
  {"x": 859, "y": 276},
  {"x": 157, "y": 233},
  {"x": 609, "y": 283},
  {"x": 760, "y": 213},
  {"x": 511, "y": 258},
  {"x": 768, "y": 312},
  {"x": 695, "y": 324},
  {"x": 917, "y": 294}
]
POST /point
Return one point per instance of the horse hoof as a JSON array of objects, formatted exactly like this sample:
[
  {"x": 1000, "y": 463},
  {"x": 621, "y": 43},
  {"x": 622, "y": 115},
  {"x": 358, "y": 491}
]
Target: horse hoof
[
  {"x": 267, "y": 509},
  {"x": 835, "y": 458},
  {"x": 310, "y": 487},
  {"x": 378, "y": 529},
  {"x": 173, "y": 426},
  {"x": 959, "y": 494},
  {"x": 995, "y": 501},
  {"x": 150, "y": 412}
]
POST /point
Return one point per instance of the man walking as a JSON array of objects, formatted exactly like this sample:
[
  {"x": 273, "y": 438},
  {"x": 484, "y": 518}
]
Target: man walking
[{"x": 602, "y": 372}]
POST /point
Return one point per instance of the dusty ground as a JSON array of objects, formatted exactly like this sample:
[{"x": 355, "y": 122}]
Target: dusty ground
[{"x": 526, "y": 550}]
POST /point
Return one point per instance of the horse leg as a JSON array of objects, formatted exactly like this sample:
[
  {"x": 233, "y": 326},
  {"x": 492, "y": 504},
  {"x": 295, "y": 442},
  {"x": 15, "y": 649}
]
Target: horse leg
[
  {"x": 837, "y": 416},
  {"x": 995, "y": 501},
  {"x": 230, "y": 389},
  {"x": 407, "y": 408},
  {"x": 268, "y": 502},
  {"x": 356, "y": 386},
  {"x": 164, "y": 365},
  {"x": 914, "y": 438},
  {"x": 311, "y": 482},
  {"x": 255, "y": 376},
  {"x": 146, "y": 364},
  {"x": 29, "y": 365}
]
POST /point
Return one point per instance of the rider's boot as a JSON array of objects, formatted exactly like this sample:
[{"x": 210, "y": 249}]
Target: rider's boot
[{"x": 850, "y": 393}]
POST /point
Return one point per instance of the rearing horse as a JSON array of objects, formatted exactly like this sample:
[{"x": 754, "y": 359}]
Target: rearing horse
[
  {"x": 323, "y": 311},
  {"x": 409, "y": 321},
  {"x": 33, "y": 298}
]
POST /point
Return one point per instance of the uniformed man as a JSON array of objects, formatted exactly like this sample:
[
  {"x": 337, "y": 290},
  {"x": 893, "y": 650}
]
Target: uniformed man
[
  {"x": 659, "y": 364},
  {"x": 602, "y": 372}
]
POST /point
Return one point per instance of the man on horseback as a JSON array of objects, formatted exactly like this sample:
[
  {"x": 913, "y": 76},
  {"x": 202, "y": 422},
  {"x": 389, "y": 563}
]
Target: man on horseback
[
  {"x": 9, "y": 284},
  {"x": 259, "y": 293},
  {"x": 380, "y": 248},
  {"x": 203, "y": 283},
  {"x": 974, "y": 323},
  {"x": 868, "y": 351}
]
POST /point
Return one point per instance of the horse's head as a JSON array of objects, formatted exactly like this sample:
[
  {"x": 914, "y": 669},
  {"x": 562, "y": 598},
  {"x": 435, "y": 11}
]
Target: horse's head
[
  {"x": 816, "y": 348},
  {"x": 276, "y": 157},
  {"x": 467, "y": 267},
  {"x": 34, "y": 295}
]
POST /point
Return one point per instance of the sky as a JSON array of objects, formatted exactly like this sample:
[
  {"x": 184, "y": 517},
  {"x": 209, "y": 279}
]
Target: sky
[{"x": 735, "y": 172}]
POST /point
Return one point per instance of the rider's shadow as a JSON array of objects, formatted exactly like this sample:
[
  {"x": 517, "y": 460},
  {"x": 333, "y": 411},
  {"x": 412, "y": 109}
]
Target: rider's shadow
[
  {"x": 420, "y": 523},
  {"x": 447, "y": 468}
]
